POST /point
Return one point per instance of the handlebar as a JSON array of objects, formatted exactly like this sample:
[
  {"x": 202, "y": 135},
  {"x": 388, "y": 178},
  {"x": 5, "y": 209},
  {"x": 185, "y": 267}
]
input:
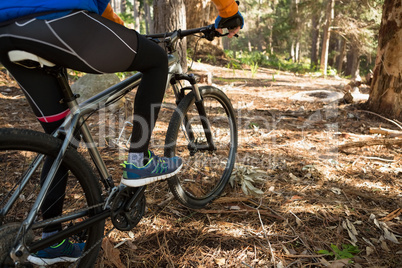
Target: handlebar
[{"x": 209, "y": 33}]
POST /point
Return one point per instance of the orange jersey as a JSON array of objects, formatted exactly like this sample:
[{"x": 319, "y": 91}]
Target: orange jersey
[
  {"x": 109, "y": 14},
  {"x": 226, "y": 8}
]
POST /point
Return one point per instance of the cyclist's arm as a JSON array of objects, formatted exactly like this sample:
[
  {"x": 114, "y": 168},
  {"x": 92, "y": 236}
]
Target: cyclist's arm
[
  {"x": 109, "y": 14},
  {"x": 229, "y": 17},
  {"x": 226, "y": 8}
]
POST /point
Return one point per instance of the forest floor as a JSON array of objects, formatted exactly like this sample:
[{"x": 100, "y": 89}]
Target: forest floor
[{"x": 328, "y": 200}]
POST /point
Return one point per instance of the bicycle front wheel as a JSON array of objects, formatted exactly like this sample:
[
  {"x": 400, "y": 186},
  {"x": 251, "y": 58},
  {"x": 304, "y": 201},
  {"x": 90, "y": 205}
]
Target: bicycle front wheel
[
  {"x": 206, "y": 169},
  {"x": 23, "y": 155}
]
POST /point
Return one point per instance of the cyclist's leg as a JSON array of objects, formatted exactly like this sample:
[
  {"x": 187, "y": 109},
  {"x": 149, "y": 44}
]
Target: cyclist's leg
[
  {"x": 142, "y": 55},
  {"x": 113, "y": 49},
  {"x": 39, "y": 89},
  {"x": 143, "y": 167},
  {"x": 151, "y": 60}
]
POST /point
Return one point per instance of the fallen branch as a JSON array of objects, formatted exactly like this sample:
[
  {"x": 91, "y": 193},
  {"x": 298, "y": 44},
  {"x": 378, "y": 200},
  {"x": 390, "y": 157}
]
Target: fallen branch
[
  {"x": 392, "y": 215},
  {"x": 378, "y": 159},
  {"x": 388, "y": 132},
  {"x": 352, "y": 135},
  {"x": 221, "y": 200},
  {"x": 387, "y": 119},
  {"x": 385, "y": 142}
]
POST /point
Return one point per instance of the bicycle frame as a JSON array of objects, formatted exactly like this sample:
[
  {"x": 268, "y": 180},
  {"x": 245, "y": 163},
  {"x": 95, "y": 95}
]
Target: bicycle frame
[{"x": 67, "y": 130}]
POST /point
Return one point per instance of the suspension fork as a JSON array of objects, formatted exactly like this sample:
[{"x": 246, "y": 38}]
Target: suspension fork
[{"x": 199, "y": 103}]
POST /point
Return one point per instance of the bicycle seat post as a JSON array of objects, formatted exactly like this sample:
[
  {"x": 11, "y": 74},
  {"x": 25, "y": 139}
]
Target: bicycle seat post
[
  {"x": 71, "y": 100},
  {"x": 68, "y": 96}
]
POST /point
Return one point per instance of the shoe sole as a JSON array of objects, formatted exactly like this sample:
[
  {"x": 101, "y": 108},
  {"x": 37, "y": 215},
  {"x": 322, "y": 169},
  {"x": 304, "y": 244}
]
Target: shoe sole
[
  {"x": 148, "y": 180},
  {"x": 44, "y": 261}
]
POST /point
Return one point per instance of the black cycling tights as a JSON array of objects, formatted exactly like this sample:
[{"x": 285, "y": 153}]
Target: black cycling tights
[{"x": 89, "y": 43}]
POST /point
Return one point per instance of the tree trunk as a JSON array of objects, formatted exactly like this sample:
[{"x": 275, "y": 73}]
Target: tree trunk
[
  {"x": 329, "y": 15},
  {"x": 386, "y": 92},
  {"x": 136, "y": 7},
  {"x": 170, "y": 15},
  {"x": 260, "y": 33},
  {"x": 149, "y": 23},
  {"x": 270, "y": 23},
  {"x": 123, "y": 6},
  {"x": 353, "y": 62},
  {"x": 201, "y": 13},
  {"x": 116, "y": 5},
  {"x": 292, "y": 51},
  {"x": 270, "y": 39},
  {"x": 249, "y": 46},
  {"x": 341, "y": 56},
  {"x": 315, "y": 33}
]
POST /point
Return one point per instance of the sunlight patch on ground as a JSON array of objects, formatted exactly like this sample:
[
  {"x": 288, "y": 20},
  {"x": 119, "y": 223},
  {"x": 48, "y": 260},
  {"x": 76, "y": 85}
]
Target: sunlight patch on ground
[
  {"x": 317, "y": 95},
  {"x": 2, "y": 96}
]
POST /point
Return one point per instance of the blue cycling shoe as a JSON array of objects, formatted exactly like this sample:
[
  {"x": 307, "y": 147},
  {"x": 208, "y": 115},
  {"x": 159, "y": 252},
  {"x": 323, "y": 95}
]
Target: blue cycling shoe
[
  {"x": 157, "y": 168},
  {"x": 63, "y": 252}
]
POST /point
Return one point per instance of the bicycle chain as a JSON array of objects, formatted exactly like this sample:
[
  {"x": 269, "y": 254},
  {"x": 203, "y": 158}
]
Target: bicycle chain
[{"x": 71, "y": 213}]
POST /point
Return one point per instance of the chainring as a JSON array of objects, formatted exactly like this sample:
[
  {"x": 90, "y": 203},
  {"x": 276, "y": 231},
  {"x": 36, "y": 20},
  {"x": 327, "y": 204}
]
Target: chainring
[{"x": 126, "y": 214}]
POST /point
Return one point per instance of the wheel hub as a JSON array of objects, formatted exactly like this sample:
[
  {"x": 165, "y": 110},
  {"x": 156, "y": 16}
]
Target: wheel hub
[{"x": 8, "y": 234}]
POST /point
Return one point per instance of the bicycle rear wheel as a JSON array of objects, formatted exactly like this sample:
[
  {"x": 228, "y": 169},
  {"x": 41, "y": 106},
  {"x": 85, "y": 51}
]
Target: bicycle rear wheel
[
  {"x": 205, "y": 172},
  {"x": 18, "y": 149}
]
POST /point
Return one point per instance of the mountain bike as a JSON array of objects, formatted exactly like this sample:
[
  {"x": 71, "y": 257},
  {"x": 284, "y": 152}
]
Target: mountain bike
[{"x": 202, "y": 131}]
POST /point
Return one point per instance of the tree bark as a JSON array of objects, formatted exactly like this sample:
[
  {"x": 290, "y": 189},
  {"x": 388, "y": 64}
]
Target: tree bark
[
  {"x": 136, "y": 7},
  {"x": 315, "y": 33},
  {"x": 149, "y": 23},
  {"x": 386, "y": 93},
  {"x": 353, "y": 62},
  {"x": 341, "y": 56},
  {"x": 292, "y": 51},
  {"x": 123, "y": 6},
  {"x": 329, "y": 15},
  {"x": 201, "y": 13},
  {"x": 116, "y": 5},
  {"x": 170, "y": 15}
]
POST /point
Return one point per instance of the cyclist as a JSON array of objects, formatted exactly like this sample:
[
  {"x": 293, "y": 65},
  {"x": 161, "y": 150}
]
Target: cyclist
[{"x": 86, "y": 35}]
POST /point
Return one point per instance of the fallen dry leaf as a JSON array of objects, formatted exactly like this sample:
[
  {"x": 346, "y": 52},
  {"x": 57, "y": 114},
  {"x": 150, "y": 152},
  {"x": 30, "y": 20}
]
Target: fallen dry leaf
[
  {"x": 112, "y": 254},
  {"x": 220, "y": 261},
  {"x": 369, "y": 250}
]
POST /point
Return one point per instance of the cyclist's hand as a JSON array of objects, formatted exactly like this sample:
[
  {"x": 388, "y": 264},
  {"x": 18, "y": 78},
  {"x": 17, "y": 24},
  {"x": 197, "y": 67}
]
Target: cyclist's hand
[
  {"x": 233, "y": 24},
  {"x": 232, "y": 32}
]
